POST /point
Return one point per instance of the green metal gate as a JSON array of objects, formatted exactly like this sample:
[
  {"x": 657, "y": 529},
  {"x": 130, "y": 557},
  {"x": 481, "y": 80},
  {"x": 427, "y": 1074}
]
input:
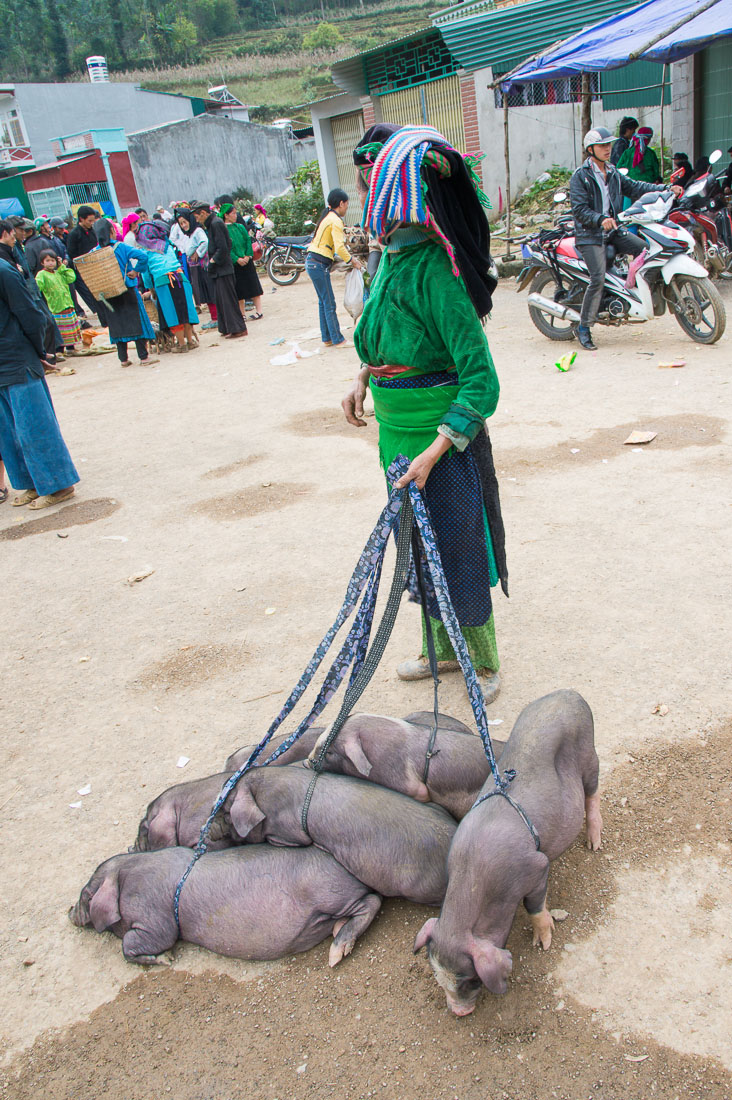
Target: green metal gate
[{"x": 716, "y": 110}]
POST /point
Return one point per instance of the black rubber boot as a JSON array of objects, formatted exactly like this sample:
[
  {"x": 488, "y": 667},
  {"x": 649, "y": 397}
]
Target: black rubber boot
[{"x": 585, "y": 338}]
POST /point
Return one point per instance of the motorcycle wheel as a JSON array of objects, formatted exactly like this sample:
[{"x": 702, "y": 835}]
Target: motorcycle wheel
[
  {"x": 701, "y": 311},
  {"x": 553, "y": 327},
  {"x": 281, "y": 272}
]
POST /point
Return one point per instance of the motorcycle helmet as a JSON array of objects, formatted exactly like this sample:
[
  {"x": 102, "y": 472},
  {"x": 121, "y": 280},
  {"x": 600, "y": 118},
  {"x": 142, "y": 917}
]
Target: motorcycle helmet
[{"x": 599, "y": 136}]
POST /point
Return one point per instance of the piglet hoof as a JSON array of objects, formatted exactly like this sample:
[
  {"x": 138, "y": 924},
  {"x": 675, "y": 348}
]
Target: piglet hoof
[
  {"x": 149, "y": 960},
  {"x": 543, "y": 926},
  {"x": 593, "y": 818},
  {"x": 337, "y": 952}
]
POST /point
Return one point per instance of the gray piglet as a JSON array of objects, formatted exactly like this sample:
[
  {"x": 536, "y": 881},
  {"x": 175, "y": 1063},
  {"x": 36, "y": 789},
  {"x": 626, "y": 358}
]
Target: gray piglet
[
  {"x": 493, "y": 863},
  {"x": 255, "y": 902},
  {"x": 392, "y": 752}
]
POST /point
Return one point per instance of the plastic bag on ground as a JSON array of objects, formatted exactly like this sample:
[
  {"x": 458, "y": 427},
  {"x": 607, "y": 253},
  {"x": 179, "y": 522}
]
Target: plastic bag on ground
[{"x": 353, "y": 298}]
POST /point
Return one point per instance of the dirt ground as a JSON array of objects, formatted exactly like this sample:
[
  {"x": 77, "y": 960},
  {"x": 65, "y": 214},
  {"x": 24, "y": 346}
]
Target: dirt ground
[{"x": 240, "y": 487}]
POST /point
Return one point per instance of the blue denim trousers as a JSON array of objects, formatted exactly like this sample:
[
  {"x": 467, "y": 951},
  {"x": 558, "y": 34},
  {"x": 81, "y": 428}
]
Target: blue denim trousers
[
  {"x": 320, "y": 275},
  {"x": 31, "y": 443}
]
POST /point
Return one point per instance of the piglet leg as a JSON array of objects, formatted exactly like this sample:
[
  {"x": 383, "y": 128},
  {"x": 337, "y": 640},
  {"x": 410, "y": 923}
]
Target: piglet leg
[
  {"x": 541, "y": 920},
  {"x": 543, "y": 926},
  {"x": 593, "y": 819},
  {"x": 139, "y": 946},
  {"x": 347, "y": 932}
]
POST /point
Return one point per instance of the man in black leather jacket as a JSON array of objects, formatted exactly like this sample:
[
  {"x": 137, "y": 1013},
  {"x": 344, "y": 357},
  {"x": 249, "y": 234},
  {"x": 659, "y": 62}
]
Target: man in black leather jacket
[{"x": 596, "y": 193}]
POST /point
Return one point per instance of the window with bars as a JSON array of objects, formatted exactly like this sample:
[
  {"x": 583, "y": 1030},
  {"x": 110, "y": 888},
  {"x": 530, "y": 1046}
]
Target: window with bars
[
  {"x": 409, "y": 63},
  {"x": 88, "y": 192},
  {"x": 543, "y": 93}
]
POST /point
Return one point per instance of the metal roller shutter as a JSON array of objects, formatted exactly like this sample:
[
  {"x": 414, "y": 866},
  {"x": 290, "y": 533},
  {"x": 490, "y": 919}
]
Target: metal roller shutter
[
  {"x": 347, "y": 129},
  {"x": 437, "y": 104}
]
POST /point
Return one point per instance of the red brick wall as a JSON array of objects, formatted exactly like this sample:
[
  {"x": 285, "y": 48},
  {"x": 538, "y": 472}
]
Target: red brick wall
[
  {"x": 369, "y": 118},
  {"x": 470, "y": 114}
]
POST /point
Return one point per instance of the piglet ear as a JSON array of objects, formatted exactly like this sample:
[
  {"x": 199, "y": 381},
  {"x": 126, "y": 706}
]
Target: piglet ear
[
  {"x": 353, "y": 751},
  {"x": 492, "y": 965},
  {"x": 104, "y": 906},
  {"x": 245, "y": 814},
  {"x": 425, "y": 934}
]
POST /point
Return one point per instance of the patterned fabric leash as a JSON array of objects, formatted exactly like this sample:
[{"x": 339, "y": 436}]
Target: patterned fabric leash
[{"x": 410, "y": 508}]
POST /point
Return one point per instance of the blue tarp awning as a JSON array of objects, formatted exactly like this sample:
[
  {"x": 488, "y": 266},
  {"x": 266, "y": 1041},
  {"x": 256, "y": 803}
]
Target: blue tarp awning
[{"x": 621, "y": 39}]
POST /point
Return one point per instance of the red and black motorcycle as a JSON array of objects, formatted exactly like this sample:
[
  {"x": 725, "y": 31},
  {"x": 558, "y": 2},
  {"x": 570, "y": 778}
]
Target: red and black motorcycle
[{"x": 703, "y": 211}]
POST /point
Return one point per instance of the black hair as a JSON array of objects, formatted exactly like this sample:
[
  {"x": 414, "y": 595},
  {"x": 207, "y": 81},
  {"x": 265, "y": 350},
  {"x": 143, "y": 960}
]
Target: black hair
[
  {"x": 85, "y": 212},
  {"x": 628, "y": 123},
  {"x": 682, "y": 156},
  {"x": 221, "y": 199},
  {"x": 48, "y": 252},
  {"x": 141, "y": 210},
  {"x": 335, "y": 198},
  {"x": 15, "y": 221},
  {"x": 6, "y": 226}
]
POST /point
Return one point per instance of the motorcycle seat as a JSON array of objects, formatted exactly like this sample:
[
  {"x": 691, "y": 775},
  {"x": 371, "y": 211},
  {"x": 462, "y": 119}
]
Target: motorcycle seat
[
  {"x": 293, "y": 240},
  {"x": 567, "y": 248}
]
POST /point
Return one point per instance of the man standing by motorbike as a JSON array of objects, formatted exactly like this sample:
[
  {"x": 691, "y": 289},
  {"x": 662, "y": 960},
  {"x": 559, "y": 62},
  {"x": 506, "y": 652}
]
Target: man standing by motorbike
[{"x": 596, "y": 193}]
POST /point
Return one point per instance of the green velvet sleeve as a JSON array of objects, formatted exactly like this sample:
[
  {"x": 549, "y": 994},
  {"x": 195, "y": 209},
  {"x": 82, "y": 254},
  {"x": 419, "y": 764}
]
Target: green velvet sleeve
[{"x": 462, "y": 334}]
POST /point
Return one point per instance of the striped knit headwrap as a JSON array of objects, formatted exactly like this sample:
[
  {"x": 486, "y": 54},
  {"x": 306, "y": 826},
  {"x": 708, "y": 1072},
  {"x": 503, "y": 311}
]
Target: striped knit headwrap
[{"x": 416, "y": 177}]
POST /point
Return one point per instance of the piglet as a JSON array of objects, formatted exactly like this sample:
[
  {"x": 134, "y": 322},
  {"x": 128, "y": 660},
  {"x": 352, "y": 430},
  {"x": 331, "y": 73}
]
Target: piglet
[
  {"x": 177, "y": 816},
  {"x": 493, "y": 863},
  {"x": 389, "y": 842},
  {"x": 256, "y": 902},
  {"x": 299, "y": 751},
  {"x": 393, "y": 752}
]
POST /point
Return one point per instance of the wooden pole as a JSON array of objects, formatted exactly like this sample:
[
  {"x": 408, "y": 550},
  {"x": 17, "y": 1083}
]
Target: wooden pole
[
  {"x": 508, "y": 254},
  {"x": 586, "y": 105},
  {"x": 663, "y": 96}
]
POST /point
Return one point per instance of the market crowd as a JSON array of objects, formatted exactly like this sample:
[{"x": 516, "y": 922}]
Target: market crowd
[{"x": 171, "y": 265}]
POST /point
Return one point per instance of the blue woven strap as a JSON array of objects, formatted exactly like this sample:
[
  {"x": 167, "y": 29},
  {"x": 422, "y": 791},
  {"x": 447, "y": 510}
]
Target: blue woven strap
[{"x": 364, "y": 580}]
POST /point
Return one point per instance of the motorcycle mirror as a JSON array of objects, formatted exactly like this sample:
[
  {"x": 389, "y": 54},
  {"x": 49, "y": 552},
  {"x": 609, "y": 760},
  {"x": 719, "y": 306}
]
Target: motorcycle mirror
[
  {"x": 309, "y": 222},
  {"x": 715, "y": 156},
  {"x": 560, "y": 196},
  {"x": 623, "y": 171}
]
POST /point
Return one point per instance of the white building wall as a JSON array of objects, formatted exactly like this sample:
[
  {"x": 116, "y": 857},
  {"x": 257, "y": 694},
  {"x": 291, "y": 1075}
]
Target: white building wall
[
  {"x": 542, "y": 136},
  {"x": 321, "y": 114}
]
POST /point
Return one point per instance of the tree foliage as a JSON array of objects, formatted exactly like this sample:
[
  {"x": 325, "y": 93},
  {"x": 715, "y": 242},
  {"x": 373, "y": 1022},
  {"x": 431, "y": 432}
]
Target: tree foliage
[
  {"x": 50, "y": 39},
  {"x": 303, "y": 203},
  {"x": 325, "y": 36}
]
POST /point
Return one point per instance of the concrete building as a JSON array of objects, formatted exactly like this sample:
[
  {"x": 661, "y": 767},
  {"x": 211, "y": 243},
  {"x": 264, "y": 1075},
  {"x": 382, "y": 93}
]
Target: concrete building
[
  {"x": 33, "y": 114},
  {"x": 207, "y": 156},
  {"x": 445, "y": 77},
  {"x": 92, "y": 167}
]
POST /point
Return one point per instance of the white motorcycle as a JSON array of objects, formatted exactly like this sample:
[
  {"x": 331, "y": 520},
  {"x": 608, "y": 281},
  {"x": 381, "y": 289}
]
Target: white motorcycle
[{"x": 668, "y": 278}]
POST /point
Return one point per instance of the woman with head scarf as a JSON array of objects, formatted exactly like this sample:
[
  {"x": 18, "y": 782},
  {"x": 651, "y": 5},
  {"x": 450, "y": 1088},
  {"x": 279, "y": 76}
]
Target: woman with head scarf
[
  {"x": 640, "y": 160},
  {"x": 231, "y": 323},
  {"x": 126, "y": 316},
  {"x": 245, "y": 273},
  {"x": 197, "y": 255},
  {"x": 163, "y": 274},
  {"x": 430, "y": 370},
  {"x": 130, "y": 224}
]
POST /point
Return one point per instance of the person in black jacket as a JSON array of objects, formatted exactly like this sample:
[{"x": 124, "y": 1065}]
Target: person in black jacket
[
  {"x": 52, "y": 341},
  {"x": 627, "y": 128},
  {"x": 596, "y": 192},
  {"x": 221, "y": 269},
  {"x": 36, "y": 458},
  {"x": 83, "y": 239}
]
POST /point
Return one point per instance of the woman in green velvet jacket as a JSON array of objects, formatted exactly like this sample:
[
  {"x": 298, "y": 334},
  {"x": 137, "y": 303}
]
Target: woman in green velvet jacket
[{"x": 431, "y": 375}]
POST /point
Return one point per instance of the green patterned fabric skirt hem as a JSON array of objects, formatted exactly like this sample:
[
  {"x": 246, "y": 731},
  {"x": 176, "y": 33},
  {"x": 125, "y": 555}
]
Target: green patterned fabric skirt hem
[{"x": 481, "y": 642}]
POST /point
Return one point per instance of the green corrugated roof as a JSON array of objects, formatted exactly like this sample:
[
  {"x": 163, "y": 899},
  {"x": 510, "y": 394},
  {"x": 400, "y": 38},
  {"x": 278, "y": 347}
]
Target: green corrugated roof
[{"x": 478, "y": 34}]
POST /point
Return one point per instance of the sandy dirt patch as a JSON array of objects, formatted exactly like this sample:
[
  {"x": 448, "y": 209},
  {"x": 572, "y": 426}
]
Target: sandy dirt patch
[{"x": 619, "y": 562}]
